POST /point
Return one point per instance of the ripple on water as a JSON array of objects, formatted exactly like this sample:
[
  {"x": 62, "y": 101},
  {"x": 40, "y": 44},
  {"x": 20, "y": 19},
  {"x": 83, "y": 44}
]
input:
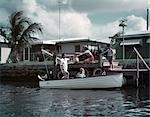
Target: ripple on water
[{"x": 35, "y": 102}]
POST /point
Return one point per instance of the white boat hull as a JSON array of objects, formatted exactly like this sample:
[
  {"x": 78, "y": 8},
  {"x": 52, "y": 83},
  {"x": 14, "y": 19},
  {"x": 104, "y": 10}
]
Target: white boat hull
[{"x": 110, "y": 81}]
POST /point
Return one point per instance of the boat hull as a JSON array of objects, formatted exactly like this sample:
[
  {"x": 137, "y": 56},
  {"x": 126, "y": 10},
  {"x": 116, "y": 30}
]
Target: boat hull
[{"x": 110, "y": 81}]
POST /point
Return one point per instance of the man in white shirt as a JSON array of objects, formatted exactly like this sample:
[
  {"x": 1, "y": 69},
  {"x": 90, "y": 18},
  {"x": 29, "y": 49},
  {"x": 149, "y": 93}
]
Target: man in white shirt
[{"x": 64, "y": 67}]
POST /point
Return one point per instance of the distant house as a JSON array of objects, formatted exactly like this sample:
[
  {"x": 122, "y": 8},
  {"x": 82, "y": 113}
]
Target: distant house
[
  {"x": 4, "y": 52},
  {"x": 139, "y": 40}
]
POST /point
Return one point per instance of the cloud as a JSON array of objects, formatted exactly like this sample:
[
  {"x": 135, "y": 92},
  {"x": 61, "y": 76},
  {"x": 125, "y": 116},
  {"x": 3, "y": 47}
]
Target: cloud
[
  {"x": 109, "y": 5},
  {"x": 103, "y": 32},
  {"x": 76, "y": 25},
  {"x": 3, "y": 16},
  {"x": 72, "y": 24},
  {"x": 136, "y": 23}
]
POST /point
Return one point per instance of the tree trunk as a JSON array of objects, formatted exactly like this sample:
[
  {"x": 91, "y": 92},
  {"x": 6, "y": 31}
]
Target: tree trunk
[{"x": 12, "y": 56}]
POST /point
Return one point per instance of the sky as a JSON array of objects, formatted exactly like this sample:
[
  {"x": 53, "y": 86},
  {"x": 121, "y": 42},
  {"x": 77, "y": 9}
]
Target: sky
[{"x": 96, "y": 19}]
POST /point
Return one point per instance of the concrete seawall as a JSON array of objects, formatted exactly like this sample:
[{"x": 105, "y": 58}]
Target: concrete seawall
[{"x": 22, "y": 71}]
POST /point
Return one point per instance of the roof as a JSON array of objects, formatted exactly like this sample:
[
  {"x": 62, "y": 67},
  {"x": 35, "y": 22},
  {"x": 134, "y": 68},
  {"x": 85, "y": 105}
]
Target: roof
[
  {"x": 68, "y": 40},
  {"x": 133, "y": 34},
  {"x": 137, "y": 34},
  {"x": 82, "y": 39}
]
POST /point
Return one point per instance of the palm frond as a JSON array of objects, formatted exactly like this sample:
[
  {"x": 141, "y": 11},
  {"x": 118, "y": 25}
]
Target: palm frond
[
  {"x": 20, "y": 32},
  {"x": 33, "y": 28},
  {"x": 15, "y": 17},
  {"x": 34, "y": 38},
  {"x": 18, "y": 19}
]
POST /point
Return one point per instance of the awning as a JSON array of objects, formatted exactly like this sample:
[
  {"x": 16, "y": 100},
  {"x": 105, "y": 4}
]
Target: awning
[
  {"x": 132, "y": 42},
  {"x": 148, "y": 41}
]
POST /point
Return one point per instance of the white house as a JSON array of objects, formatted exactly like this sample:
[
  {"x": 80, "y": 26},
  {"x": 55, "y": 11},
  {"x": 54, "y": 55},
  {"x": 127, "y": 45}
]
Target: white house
[
  {"x": 72, "y": 45},
  {"x": 4, "y": 52}
]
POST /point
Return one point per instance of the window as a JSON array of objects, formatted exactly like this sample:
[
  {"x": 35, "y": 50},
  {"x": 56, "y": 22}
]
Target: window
[
  {"x": 26, "y": 53},
  {"x": 77, "y": 48}
]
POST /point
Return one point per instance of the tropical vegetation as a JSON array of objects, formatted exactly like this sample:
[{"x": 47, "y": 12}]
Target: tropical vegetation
[{"x": 19, "y": 34}]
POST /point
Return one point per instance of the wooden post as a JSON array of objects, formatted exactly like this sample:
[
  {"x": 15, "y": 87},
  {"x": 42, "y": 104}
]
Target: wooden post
[
  {"x": 137, "y": 77},
  {"x": 99, "y": 57},
  {"x": 54, "y": 65}
]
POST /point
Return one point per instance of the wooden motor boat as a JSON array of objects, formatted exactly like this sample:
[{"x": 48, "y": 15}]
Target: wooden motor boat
[{"x": 97, "y": 82}]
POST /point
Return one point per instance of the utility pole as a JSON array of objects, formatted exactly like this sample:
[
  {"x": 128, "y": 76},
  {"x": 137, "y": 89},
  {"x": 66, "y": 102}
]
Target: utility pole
[
  {"x": 59, "y": 27},
  {"x": 61, "y": 3},
  {"x": 147, "y": 18},
  {"x": 123, "y": 25}
]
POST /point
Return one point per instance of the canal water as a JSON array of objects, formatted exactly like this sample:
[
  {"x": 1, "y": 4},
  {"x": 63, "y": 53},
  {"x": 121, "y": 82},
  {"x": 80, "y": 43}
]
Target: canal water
[{"x": 28, "y": 101}]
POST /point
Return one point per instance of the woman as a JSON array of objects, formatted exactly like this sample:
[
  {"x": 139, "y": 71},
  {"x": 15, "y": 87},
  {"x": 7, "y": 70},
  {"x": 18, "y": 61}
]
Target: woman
[{"x": 88, "y": 54}]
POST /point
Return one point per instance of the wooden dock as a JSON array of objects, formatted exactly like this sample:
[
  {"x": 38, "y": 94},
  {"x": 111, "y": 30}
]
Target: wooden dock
[
  {"x": 128, "y": 70},
  {"x": 29, "y": 71}
]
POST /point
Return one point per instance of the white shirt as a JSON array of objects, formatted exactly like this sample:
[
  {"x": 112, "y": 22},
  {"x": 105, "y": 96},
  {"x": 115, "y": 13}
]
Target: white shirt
[{"x": 64, "y": 64}]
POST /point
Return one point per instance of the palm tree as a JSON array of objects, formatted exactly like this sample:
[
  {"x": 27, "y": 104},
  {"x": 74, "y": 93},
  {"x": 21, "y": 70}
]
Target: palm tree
[{"x": 20, "y": 33}]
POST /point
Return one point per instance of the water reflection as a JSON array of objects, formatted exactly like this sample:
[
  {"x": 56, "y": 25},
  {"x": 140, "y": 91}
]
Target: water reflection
[
  {"x": 137, "y": 102},
  {"x": 35, "y": 102}
]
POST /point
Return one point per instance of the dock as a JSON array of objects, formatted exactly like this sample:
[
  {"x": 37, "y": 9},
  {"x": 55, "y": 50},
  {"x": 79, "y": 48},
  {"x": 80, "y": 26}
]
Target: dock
[
  {"x": 128, "y": 70},
  {"x": 29, "y": 71}
]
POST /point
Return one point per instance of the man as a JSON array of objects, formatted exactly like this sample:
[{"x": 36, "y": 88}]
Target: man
[
  {"x": 109, "y": 55},
  {"x": 64, "y": 67}
]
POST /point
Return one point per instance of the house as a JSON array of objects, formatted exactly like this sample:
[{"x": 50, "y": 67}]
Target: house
[
  {"x": 73, "y": 45},
  {"x": 4, "y": 52},
  {"x": 139, "y": 40},
  {"x": 68, "y": 46},
  {"x": 32, "y": 52}
]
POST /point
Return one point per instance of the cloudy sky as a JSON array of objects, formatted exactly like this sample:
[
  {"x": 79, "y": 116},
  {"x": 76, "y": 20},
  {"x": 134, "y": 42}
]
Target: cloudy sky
[{"x": 96, "y": 19}]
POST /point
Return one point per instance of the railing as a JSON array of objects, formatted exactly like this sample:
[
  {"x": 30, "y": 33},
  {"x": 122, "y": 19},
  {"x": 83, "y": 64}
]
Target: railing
[
  {"x": 138, "y": 74},
  {"x": 138, "y": 54}
]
